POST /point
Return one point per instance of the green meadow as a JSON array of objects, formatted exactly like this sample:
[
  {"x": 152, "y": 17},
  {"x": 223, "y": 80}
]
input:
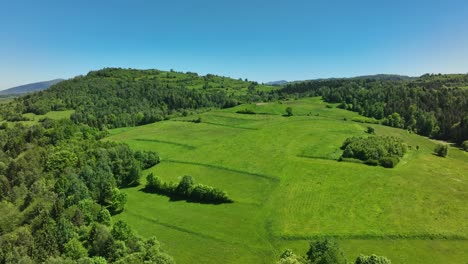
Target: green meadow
[{"x": 288, "y": 188}]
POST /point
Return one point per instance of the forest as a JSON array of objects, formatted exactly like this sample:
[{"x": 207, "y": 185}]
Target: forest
[
  {"x": 59, "y": 187},
  {"x": 112, "y": 97},
  {"x": 432, "y": 105}
]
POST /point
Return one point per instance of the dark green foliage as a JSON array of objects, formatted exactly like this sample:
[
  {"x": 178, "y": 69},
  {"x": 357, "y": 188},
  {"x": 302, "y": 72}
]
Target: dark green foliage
[
  {"x": 104, "y": 217},
  {"x": 118, "y": 201},
  {"x": 246, "y": 111},
  {"x": 441, "y": 150},
  {"x": 431, "y": 105},
  {"x": 375, "y": 150},
  {"x": 115, "y": 97},
  {"x": 370, "y": 130},
  {"x": 187, "y": 189},
  {"x": 185, "y": 186},
  {"x": 58, "y": 182},
  {"x": 388, "y": 162},
  {"x": 465, "y": 145},
  {"x": 289, "y": 111},
  {"x": 60, "y": 160},
  {"x": 208, "y": 194},
  {"x": 394, "y": 120},
  {"x": 74, "y": 249},
  {"x": 325, "y": 252},
  {"x": 121, "y": 231},
  {"x": 373, "y": 259},
  {"x": 371, "y": 162}
]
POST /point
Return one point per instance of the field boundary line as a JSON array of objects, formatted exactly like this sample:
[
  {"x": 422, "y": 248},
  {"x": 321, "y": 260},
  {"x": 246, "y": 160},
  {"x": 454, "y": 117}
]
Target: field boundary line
[
  {"x": 268, "y": 177},
  {"x": 166, "y": 142}
]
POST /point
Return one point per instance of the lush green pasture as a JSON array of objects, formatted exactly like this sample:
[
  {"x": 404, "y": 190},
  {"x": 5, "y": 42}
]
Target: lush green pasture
[{"x": 288, "y": 188}]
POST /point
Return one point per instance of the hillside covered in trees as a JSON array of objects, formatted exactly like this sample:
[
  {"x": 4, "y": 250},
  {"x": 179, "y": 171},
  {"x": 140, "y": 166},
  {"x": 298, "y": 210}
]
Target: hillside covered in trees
[
  {"x": 59, "y": 186},
  {"x": 432, "y": 105},
  {"x": 125, "y": 97}
]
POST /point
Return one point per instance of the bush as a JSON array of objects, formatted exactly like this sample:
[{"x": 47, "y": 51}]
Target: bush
[
  {"x": 388, "y": 162},
  {"x": 147, "y": 159},
  {"x": 374, "y": 150},
  {"x": 246, "y": 112},
  {"x": 325, "y": 251},
  {"x": 465, "y": 145},
  {"x": 373, "y": 259},
  {"x": 187, "y": 189},
  {"x": 370, "y": 130},
  {"x": 366, "y": 120},
  {"x": 289, "y": 111},
  {"x": 441, "y": 150}
]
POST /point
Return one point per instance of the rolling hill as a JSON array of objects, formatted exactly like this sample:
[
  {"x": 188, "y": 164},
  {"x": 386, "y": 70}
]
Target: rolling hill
[
  {"x": 68, "y": 153},
  {"x": 29, "y": 88}
]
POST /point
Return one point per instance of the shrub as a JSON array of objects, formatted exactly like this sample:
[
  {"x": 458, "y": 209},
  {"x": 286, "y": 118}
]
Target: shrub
[
  {"x": 370, "y": 130},
  {"x": 465, "y": 145},
  {"x": 153, "y": 183},
  {"x": 441, "y": 150},
  {"x": 246, "y": 111},
  {"x": 147, "y": 159},
  {"x": 187, "y": 189},
  {"x": 373, "y": 259},
  {"x": 185, "y": 186},
  {"x": 366, "y": 120},
  {"x": 374, "y": 150},
  {"x": 325, "y": 251},
  {"x": 388, "y": 162},
  {"x": 289, "y": 111}
]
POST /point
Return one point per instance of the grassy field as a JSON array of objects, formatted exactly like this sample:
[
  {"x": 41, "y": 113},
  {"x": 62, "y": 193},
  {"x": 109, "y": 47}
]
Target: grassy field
[{"x": 289, "y": 188}]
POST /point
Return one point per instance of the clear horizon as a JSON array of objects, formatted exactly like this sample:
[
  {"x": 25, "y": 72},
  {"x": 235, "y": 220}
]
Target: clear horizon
[{"x": 257, "y": 40}]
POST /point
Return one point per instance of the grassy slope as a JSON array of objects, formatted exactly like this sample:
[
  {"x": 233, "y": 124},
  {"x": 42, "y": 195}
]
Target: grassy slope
[{"x": 287, "y": 188}]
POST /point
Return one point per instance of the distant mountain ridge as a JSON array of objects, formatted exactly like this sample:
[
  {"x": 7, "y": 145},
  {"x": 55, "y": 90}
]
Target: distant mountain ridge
[
  {"x": 277, "y": 83},
  {"x": 31, "y": 87}
]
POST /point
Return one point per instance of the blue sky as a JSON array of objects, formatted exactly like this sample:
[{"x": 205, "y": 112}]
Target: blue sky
[{"x": 258, "y": 40}]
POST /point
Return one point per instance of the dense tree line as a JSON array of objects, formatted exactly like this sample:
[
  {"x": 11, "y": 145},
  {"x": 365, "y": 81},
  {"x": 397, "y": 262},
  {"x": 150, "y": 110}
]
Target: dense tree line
[
  {"x": 187, "y": 189},
  {"x": 327, "y": 252},
  {"x": 432, "y": 105},
  {"x": 59, "y": 186},
  {"x": 375, "y": 150},
  {"x": 115, "y": 97}
]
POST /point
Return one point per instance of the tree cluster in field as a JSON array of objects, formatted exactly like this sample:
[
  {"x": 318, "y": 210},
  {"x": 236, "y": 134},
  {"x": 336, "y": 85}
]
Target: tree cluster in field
[
  {"x": 385, "y": 151},
  {"x": 431, "y": 105},
  {"x": 124, "y": 97},
  {"x": 58, "y": 189},
  {"x": 187, "y": 189},
  {"x": 327, "y": 252}
]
